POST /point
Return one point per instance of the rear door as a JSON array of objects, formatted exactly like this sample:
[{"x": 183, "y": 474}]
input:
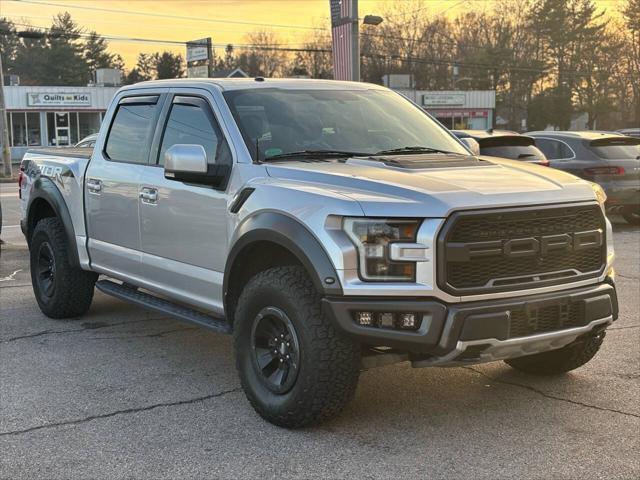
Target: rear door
[
  {"x": 184, "y": 226},
  {"x": 112, "y": 184}
]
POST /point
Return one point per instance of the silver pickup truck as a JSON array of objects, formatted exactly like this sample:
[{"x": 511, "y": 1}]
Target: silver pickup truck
[{"x": 329, "y": 226}]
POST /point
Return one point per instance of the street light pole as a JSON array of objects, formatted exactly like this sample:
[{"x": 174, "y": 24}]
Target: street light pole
[{"x": 4, "y": 131}]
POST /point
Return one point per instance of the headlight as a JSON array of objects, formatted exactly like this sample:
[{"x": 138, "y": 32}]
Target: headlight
[
  {"x": 373, "y": 239},
  {"x": 601, "y": 196}
]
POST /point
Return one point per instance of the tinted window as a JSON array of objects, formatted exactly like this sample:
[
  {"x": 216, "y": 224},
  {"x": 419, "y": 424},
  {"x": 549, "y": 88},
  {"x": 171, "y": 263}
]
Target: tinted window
[
  {"x": 614, "y": 152},
  {"x": 515, "y": 152},
  {"x": 190, "y": 124},
  {"x": 274, "y": 121},
  {"x": 553, "y": 149},
  {"x": 130, "y": 133}
]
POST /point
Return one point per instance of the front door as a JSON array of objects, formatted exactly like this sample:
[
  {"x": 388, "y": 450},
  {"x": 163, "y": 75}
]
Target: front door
[
  {"x": 112, "y": 185},
  {"x": 61, "y": 122},
  {"x": 183, "y": 227}
]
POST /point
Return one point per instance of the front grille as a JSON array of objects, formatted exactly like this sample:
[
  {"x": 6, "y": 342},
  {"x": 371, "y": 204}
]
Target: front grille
[
  {"x": 546, "y": 319},
  {"x": 491, "y": 251}
]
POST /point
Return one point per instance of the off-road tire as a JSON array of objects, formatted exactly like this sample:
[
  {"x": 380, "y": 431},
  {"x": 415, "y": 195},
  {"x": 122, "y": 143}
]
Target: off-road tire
[
  {"x": 73, "y": 287},
  {"x": 329, "y": 360},
  {"x": 561, "y": 360},
  {"x": 631, "y": 215}
]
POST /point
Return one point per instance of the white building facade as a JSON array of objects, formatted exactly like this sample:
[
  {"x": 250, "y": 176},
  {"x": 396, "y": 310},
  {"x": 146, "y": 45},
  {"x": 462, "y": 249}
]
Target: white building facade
[
  {"x": 53, "y": 116},
  {"x": 457, "y": 109}
]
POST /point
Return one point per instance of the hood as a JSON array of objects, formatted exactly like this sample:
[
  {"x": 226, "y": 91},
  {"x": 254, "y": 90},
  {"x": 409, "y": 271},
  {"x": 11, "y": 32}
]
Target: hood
[{"x": 435, "y": 185}]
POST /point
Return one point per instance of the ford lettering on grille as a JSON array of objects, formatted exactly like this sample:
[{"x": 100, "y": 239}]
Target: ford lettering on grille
[
  {"x": 525, "y": 247},
  {"x": 500, "y": 250}
]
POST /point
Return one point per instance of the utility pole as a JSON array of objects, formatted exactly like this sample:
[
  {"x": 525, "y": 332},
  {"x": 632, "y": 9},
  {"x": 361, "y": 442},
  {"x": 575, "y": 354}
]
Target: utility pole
[
  {"x": 355, "y": 42},
  {"x": 4, "y": 130}
]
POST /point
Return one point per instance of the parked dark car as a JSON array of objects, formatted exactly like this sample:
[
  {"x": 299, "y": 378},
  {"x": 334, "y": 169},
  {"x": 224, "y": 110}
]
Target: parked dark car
[
  {"x": 505, "y": 144},
  {"x": 606, "y": 158},
  {"x": 630, "y": 132}
]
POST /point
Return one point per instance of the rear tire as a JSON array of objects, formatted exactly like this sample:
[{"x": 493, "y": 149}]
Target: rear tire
[
  {"x": 561, "y": 360},
  {"x": 631, "y": 215},
  {"x": 295, "y": 367},
  {"x": 61, "y": 290}
]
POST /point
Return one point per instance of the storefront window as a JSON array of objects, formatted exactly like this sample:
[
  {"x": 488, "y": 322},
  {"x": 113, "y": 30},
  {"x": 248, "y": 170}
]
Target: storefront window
[
  {"x": 88, "y": 123},
  {"x": 73, "y": 132},
  {"x": 33, "y": 129},
  {"x": 51, "y": 129},
  {"x": 24, "y": 129},
  {"x": 19, "y": 129}
]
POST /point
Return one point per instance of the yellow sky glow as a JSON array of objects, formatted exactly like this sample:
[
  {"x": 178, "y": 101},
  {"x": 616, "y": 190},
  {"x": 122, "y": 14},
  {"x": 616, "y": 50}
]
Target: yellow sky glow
[{"x": 299, "y": 13}]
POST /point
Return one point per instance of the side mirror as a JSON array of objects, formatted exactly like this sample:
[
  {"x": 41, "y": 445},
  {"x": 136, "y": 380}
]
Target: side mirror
[
  {"x": 188, "y": 163},
  {"x": 182, "y": 159},
  {"x": 472, "y": 145}
]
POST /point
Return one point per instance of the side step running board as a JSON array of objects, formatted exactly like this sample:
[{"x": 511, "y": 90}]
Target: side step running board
[{"x": 161, "y": 305}]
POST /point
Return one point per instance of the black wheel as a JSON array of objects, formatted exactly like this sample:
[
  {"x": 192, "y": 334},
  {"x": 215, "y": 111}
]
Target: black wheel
[
  {"x": 562, "y": 360},
  {"x": 295, "y": 367},
  {"x": 61, "y": 290},
  {"x": 631, "y": 215}
]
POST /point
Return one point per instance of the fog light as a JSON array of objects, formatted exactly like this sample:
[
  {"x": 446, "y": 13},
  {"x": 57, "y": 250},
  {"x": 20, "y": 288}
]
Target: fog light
[
  {"x": 364, "y": 318},
  {"x": 407, "y": 320},
  {"x": 385, "y": 320}
]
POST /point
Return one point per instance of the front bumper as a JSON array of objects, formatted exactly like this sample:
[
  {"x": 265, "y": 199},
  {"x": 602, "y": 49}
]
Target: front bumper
[
  {"x": 451, "y": 334},
  {"x": 622, "y": 194}
]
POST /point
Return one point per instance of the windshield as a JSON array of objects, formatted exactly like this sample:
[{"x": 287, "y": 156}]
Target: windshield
[{"x": 275, "y": 122}]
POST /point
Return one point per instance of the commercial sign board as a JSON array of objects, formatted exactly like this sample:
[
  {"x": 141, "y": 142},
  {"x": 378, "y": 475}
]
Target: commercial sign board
[
  {"x": 198, "y": 50},
  {"x": 443, "y": 100},
  {"x": 199, "y": 71},
  {"x": 58, "y": 99}
]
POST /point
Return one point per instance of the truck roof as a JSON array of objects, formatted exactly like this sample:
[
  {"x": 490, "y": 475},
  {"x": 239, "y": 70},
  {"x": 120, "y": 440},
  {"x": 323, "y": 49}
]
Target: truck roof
[{"x": 259, "y": 82}]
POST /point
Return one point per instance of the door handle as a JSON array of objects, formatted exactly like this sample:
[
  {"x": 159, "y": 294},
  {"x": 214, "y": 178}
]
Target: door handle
[
  {"x": 149, "y": 195},
  {"x": 94, "y": 185}
]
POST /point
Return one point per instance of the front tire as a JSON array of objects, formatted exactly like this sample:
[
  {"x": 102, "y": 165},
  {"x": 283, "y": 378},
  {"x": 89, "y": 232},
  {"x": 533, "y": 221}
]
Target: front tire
[
  {"x": 562, "y": 360},
  {"x": 295, "y": 367},
  {"x": 61, "y": 290}
]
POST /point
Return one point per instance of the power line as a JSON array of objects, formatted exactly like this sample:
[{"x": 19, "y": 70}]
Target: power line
[
  {"x": 291, "y": 49},
  {"x": 161, "y": 15}
]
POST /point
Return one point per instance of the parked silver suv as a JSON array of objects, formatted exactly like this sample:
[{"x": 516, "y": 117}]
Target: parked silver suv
[{"x": 329, "y": 226}]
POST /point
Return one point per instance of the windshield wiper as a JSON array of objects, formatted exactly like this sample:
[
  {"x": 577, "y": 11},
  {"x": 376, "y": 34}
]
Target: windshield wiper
[
  {"x": 414, "y": 149},
  {"x": 315, "y": 154}
]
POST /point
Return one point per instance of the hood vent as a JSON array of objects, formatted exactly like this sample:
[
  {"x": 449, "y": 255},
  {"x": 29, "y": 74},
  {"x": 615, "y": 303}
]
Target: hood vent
[{"x": 422, "y": 161}]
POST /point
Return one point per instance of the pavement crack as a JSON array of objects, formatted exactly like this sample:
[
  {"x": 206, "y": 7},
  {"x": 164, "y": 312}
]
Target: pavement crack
[
  {"x": 628, "y": 277},
  {"x": 150, "y": 335},
  {"x": 115, "y": 413},
  {"x": 76, "y": 330},
  {"x": 550, "y": 396},
  {"x": 623, "y": 327}
]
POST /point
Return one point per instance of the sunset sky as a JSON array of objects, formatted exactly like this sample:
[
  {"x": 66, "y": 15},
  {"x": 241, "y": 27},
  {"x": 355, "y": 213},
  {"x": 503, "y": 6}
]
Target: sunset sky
[{"x": 283, "y": 15}]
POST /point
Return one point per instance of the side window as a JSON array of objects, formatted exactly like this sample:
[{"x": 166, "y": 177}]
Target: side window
[
  {"x": 193, "y": 123},
  {"x": 131, "y": 130},
  {"x": 553, "y": 149}
]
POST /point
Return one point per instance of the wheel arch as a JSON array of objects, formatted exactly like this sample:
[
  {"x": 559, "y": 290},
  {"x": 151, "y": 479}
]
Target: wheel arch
[
  {"x": 45, "y": 200},
  {"x": 273, "y": 239}
]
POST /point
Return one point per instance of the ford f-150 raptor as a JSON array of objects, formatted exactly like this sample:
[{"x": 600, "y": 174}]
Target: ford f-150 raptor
[{"x": 329, "y": 226}]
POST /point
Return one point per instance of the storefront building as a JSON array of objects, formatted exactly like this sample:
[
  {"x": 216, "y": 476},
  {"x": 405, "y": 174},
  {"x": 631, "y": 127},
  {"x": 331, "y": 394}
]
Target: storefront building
[
  {"x": 457, "y": 109},
  {"x": 53, "y": 116}
]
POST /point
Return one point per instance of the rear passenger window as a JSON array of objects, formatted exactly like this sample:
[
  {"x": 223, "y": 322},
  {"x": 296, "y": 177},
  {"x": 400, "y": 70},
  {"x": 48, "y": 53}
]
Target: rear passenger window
[
  {"x": 553, "y": 149},
  {"x": 131, "y": 131}
]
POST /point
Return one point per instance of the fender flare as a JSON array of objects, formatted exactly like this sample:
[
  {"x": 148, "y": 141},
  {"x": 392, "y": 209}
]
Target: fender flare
[
  {"x": 45, "y": 189},
  {"x": 295, "y": 237}
]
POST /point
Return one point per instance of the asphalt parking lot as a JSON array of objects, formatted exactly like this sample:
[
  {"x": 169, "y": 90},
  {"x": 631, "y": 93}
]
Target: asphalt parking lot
[{"x": 124, "y": 393}]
